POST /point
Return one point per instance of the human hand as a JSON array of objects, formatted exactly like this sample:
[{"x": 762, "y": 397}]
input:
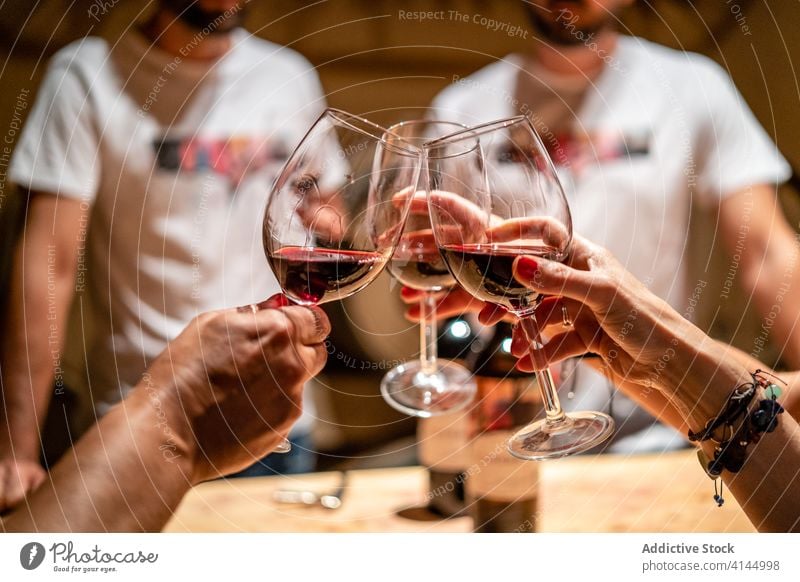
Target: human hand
[
  {"x": 639, "y": 337},
  {"x": 457, "y": 301},
  {"x": 231, "y": 383},
  {"x": 18, "y": 477},
  {"x": 322, "y": 213}
]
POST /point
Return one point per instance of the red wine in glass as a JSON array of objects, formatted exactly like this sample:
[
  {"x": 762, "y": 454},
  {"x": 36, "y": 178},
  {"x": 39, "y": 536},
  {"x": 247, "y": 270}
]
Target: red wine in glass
[
  {"x": 486, "y": 271},
  {"x": 333, "y": 216},
  {"x": 495, "y": 195},
  {"x": 421, "y": 273},
  {"x": 417, "y": 263},
  {"x": 311, "y": 275},
  {"x": 427, "y": 386}
]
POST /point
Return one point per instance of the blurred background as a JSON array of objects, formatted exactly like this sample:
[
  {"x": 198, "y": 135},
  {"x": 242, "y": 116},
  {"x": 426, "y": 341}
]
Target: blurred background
[{"x": 372, "y": 62}]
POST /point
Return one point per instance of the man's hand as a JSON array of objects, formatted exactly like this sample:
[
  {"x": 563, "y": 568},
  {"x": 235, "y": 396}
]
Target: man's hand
[
  {"x": 17, "y": 478},
  {"x": 450, "y": 303},
  {"x": 231, "y": 383},
  {"x": 222, "y": 394}
]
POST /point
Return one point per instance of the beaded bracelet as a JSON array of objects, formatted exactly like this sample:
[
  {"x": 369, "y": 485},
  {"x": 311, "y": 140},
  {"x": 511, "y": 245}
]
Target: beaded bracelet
[{"x": 740, "y": 424}]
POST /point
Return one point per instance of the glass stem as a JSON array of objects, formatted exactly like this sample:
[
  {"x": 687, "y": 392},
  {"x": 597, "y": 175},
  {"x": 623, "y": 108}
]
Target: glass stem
[
  {"x": 544, "y": 378},
  {"x": 427, "y": 333}
]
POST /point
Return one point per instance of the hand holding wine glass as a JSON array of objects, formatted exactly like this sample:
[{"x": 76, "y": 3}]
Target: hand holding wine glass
[
  {"x": 494, "y": 196},
  {"x": 331, "y": 222}
]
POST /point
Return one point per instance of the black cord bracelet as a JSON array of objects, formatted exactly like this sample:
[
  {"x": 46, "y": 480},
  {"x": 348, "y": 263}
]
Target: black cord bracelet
[{"x": 739, "y": 424}]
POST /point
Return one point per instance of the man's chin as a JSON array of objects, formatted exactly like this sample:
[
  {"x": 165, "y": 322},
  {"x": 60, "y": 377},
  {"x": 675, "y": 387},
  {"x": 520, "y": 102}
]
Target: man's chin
[
  {"x": 552, "y": 32},
  {"x": 211, "y": 21}
]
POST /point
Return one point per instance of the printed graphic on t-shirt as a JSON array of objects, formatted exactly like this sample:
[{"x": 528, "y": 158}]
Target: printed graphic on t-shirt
[
  {"x": 233, "y": 157},
  {"x": 579, "y": 149}
]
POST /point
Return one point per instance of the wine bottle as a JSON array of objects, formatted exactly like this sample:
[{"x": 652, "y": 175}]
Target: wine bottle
[
  {"x": 502, "y": 491},
  {"x": 443, "y": 441}
]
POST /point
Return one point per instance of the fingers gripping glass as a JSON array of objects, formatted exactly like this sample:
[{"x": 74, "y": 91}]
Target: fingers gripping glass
[
  {"x": 428, "y": 386},
  {"x": 334, "y": 215},
  {"x": 494, "y": 196}
]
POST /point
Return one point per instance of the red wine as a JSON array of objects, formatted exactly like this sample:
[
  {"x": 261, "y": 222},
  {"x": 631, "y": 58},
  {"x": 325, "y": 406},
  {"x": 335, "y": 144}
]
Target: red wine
[
  {"x": 486, "y": 271},
  {"x": 417, "y": 262},
  {"x": 317, "y": 275},
  {"x": 423, "y": 272}
]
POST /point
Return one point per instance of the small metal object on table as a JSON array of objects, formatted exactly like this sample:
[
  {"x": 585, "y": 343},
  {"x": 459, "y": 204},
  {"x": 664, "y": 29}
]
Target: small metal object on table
[{"x": 332, "y": 500}]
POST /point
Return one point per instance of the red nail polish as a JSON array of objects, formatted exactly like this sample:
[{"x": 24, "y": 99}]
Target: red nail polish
[
  {"x": 407, "y": 292},
  {"x": 527, "y": 268},
  {"x": 276, "y": 301},
  {"x": 492, "y": 313}
]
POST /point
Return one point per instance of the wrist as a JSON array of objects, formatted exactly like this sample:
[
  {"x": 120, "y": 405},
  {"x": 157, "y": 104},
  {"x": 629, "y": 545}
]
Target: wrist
[
  {"x": 14, "y": 445},
  {"x": 167, "y": 422},
  {"x": 702, "y": 379}
]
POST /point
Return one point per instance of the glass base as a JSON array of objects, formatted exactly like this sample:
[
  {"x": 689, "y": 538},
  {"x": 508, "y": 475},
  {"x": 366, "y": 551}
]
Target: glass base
[
  {"x": 576, "y": 433},
  {"x": 284, "y": 447},
  {"x": 411, "y": 391}
]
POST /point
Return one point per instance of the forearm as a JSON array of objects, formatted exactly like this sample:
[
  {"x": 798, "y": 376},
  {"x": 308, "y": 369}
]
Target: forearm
[
  {"x": 128, "y": 473},
  {"x": 651, "y": 399},
  {"x": 768, "y": 249},
  {"x": 777, "y": 298},
  {"x": 767, "y": 487},
  {"x": 791, "y": 396},
  {"x": 38, "y": 310}
]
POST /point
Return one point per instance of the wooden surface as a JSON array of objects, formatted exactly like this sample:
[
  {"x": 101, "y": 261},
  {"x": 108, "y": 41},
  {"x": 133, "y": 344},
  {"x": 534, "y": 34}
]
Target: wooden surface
[{"x": 646, "y": 493}]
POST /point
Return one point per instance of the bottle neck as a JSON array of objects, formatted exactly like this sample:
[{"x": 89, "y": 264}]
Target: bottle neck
[{"x": 495, "y": 359}]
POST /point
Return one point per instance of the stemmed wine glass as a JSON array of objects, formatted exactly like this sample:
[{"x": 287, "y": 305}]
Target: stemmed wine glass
[
  {"x": 427, "y": 386},
  {"x": 336, "y": 210},
  {"x": 494, "y": 196}
]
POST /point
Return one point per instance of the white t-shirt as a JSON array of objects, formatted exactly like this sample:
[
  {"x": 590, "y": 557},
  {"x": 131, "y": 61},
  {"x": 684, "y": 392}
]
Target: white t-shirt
[
  {"x": 176, "y": 158},
  {"x": 656, "y": 131}
]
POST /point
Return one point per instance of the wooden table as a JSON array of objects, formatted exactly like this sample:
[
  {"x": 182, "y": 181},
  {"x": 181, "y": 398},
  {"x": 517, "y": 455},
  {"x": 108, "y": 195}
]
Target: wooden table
[{"x": 643, "y": 493}]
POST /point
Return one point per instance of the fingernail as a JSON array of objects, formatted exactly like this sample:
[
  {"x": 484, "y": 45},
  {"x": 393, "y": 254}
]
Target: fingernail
[
  {"x": 518, "y": 345},
  {"x": 318, "y": 314},
  {"x": 413, "y": 312},
  {"x": 276, "y": 301},
  {"x": 527, "y": 268},
  {"x": 525, "y": 364},
  {"x": 491, "y": 314},
  {"x": 407, "y": 292}
]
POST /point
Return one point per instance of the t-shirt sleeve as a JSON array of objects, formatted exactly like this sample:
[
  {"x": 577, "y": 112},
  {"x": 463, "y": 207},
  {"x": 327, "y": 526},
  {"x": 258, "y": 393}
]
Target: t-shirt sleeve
[
  {"x": 315, "y": 95},
  {"x": 57, "y": 150},
  {"x": 734, "y": 150}
]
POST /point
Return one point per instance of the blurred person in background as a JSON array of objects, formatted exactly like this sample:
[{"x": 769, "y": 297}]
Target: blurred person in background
[
  {"x": 145, "y": 164},
  {"x": 639, "y": 134}
]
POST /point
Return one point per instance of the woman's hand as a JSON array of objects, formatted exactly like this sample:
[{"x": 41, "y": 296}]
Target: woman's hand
[{"x": 639, "y": 337}]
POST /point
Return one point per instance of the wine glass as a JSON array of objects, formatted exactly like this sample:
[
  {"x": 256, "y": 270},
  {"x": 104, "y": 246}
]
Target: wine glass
[
  {"x": 336, "y": 210},
  {"x": 428, "y": 386},
  {"x": 494, "y": 196}
]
